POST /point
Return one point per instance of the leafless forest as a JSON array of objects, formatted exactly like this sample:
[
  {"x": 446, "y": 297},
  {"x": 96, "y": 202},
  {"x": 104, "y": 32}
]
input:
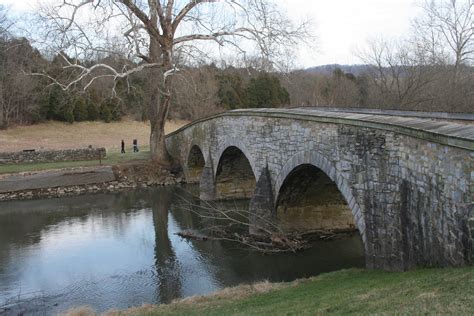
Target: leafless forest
[{"x": 430, "y": 69}]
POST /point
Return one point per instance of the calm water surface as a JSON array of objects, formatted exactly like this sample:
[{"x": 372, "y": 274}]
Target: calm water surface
[{"x": 121, "y": 250}]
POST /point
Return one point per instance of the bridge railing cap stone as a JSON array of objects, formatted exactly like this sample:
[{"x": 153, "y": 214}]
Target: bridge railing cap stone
[{"x": 442, "y": 132}]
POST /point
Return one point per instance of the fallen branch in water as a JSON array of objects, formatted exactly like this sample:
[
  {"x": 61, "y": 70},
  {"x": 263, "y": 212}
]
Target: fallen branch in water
[
  {"x": 189, "y": 234},
  {"x": 269, "y": 244},
  {"x": 233, "y": 225}
]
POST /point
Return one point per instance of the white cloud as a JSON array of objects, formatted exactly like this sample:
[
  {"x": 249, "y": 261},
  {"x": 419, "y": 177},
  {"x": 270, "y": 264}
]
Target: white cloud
[
  {"x": 342, "y": 26},
  {"x": 20, "y": 5}
]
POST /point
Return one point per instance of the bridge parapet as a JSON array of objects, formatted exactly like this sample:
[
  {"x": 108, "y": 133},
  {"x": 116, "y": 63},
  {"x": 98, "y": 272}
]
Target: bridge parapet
[{"x": 408, "y": 182}]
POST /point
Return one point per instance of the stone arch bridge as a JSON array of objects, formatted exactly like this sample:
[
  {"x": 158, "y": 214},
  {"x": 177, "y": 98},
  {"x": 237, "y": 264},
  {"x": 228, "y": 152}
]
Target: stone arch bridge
[{"x": 405, "y": 183}]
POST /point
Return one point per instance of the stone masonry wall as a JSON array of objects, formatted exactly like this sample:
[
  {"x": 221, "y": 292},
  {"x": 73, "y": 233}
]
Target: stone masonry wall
[
  {"x": 412, "y": 199},
  {"x": 52, "y": 156}
]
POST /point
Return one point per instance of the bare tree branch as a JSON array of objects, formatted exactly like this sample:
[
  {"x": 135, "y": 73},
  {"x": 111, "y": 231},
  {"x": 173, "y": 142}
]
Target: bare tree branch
[{"x": 157, "y": 36}]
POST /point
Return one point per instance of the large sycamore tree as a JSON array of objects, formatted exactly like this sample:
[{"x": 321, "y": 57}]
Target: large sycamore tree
[{"x": 160, "y": 37}]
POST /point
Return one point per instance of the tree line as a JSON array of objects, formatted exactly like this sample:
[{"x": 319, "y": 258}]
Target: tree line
[
  {"x": 209, "y": 89},
  {"x": 26, "y": 98},
  {"x": 430, "y": 69}
]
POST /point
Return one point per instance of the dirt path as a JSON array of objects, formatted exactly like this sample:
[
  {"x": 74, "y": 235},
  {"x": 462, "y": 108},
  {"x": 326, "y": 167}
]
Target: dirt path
[{"x": 56, "y": 178}]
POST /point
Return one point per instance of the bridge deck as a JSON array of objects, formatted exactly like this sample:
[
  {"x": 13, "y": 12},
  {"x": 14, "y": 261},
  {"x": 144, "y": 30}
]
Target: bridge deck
[
  {"x": 457, "y": 117},
  {"x": 439, "y": 131}
]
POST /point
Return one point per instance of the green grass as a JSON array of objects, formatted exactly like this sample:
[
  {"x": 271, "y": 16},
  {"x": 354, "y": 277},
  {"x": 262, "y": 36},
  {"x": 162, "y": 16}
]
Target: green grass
[
  {"x": 112, "y": 158},
  {"x": 360, "y": 292}
]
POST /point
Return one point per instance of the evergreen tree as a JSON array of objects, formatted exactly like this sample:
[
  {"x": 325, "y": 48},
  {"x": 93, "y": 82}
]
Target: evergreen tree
[
  {"x": 266, "y": 91},
  {"x": 105, "y": 113},
  {"x": 231, "y": 93},
  {"x": 93, "y": 105},
  {"x": 80, "y": 110}
]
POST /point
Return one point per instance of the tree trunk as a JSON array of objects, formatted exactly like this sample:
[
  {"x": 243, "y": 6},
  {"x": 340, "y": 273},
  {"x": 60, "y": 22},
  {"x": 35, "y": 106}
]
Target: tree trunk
[
  {"x": 159, "y": 153},
  {"x": 159, "y": 103}
]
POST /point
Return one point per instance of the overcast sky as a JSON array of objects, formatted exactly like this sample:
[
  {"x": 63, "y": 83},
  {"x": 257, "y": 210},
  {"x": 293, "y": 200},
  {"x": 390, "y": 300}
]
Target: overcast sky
[{"x": 342, "y": 26}]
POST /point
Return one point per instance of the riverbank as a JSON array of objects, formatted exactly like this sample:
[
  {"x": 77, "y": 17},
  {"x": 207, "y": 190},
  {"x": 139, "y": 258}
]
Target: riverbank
[
  {"x": 26, "y": 181},
  {"x": 61, "y": 182},
  {"x": 354, "y": 291}
]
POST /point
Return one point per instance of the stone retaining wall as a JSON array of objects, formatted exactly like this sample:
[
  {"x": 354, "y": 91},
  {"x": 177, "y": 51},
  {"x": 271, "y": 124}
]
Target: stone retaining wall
[{"x": 52, "y": 156}]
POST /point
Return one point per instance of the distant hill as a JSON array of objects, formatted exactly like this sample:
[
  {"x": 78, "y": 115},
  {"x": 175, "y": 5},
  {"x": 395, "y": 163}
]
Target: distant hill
[{"x": 329, "y": 69}]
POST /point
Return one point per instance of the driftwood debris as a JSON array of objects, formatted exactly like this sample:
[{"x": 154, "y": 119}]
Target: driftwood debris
[
  {"x": 275, "y": 243},
  {"x": 232, "y": 225}
]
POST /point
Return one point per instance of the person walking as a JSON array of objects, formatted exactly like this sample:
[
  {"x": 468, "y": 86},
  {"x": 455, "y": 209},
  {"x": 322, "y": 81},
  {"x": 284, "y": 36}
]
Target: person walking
[
  {"x": 123, "y": 147},
  {"x": 135, "y": 146}
]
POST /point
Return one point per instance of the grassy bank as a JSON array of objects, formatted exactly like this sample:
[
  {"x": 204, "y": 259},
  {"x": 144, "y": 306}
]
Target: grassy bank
[{"x": 430, "y": 291}]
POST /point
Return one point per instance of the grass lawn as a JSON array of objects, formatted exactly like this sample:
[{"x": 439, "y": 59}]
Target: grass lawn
[
  {"x": 58, "y": 135},
  {"x": 355, "y": 291},
  {"x": 112, "y": 158}
]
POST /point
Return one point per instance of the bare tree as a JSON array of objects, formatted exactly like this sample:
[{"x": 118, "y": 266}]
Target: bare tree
[
  {"x": 159, "y": 37},
  {"x": 6, "y": 23},
  {"x": 195, "y": 93},
  {"x": 445, "y": 35},
  {"x": 17, "y": 98},
  {"x": 448, "y": 24},
  {"x": 399, "y": 73}
]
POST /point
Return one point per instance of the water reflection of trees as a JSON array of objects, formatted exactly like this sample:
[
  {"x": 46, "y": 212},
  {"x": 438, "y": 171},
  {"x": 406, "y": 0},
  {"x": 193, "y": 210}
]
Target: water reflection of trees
[
  {"x": 166, "y": 262},
  {"x": 24, "y": 224}
]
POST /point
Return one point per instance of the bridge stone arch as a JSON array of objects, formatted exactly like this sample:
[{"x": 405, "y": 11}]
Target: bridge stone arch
[
  {"x": 234, "y": 142},
  {"x": 194, "y": 164},
  {"x": 319, "y": 161},
  {"x": 234, "y": 175}
]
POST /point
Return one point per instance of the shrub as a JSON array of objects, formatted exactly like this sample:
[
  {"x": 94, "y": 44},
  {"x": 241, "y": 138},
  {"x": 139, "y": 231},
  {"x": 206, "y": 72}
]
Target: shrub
[{"x": 80, "y": 110}]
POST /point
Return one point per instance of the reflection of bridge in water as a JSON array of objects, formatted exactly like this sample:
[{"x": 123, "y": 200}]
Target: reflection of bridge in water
[
  {"x": 404, "y": 183},
  {"x": 101, "y": 249},
  {"x": 232, "y": 263}
]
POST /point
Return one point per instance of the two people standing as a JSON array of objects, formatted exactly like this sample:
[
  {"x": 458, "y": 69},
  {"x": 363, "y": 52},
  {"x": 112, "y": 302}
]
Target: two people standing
[{"x": 135, "y": 146}]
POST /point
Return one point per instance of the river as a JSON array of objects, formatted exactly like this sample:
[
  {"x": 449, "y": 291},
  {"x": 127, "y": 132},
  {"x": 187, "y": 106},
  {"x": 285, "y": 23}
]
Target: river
[{"x": 119, "y": 250}]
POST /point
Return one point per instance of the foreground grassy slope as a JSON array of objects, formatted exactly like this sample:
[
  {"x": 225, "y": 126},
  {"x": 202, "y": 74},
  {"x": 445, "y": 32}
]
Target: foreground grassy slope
[{"x": 433, "y": 291}]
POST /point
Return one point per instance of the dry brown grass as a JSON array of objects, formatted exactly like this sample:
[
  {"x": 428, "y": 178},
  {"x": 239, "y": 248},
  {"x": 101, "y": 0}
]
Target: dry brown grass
[
  {"x": 58, "y": 135},
  {"x": 234, "y": 293},
  {"x": 81, "y": 311}
]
